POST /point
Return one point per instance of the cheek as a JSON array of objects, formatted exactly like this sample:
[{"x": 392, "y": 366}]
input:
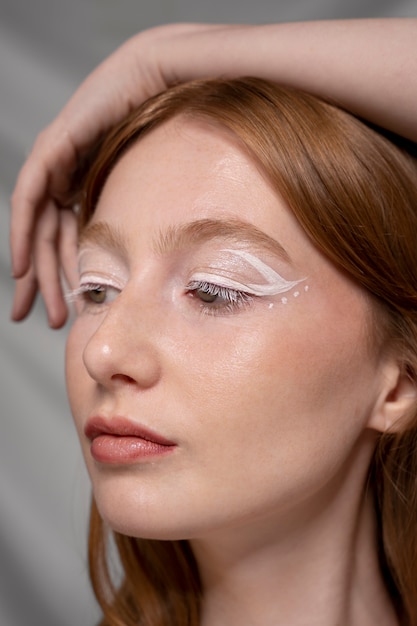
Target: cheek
[
  {"x": 283, "y": 415},
  {"x": 75, "y": 373},
  {"x": 294, "y": 372}
]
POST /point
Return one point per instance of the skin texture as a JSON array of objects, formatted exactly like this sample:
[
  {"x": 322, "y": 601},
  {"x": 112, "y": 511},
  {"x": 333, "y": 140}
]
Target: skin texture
[
  {"x": 365, "y": 65},
  {"x": 273, "y": 408}
]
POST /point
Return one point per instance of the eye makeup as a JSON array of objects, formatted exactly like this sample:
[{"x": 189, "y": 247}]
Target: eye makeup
[
  {"x": 275, "y": 283},
  {"x": 215, "y": 292},
  {"x": 91, "y": 283},
  {"x": 99, "y": 273}
]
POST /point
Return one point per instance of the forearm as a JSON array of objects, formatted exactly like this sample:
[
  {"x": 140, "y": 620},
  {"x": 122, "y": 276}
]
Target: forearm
[{"x": 368, "y": 66}]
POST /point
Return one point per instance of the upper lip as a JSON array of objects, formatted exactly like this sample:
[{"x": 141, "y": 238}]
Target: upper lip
[{"x": 122, "y": 427}]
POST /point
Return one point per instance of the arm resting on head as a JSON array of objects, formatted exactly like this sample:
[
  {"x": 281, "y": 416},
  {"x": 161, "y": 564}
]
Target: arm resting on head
[{"x": 367, "y": 66}]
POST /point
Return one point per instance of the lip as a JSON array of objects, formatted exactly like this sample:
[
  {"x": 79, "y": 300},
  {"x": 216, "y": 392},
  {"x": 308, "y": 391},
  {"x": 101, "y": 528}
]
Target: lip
[{"x": 117, "y": 440}]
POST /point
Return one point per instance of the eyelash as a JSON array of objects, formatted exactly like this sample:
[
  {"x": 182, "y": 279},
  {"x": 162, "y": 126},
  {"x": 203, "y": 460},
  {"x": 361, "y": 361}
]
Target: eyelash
[
  {"x": 232, "y": 298},
  {"x": 84, "y": 293}
]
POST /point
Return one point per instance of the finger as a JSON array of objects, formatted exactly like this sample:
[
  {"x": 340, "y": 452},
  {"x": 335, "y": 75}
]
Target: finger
[
  {"x": 46, "y": 262},
  {"x": 47, "y": 171},
  {"x": 67, "y": 154},
  {"x": 24, "y": 296},
  {"x": 27, "y": 196},
  {"x": 68, "y": 247}
]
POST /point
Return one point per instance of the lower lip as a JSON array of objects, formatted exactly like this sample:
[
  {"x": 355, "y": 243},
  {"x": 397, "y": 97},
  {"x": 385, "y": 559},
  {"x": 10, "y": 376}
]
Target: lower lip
[{"x": 124, "y": 450}]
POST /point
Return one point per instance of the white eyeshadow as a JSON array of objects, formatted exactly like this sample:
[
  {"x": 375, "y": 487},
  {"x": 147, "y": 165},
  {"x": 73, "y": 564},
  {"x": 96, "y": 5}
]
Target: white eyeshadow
[{"x": 275, "y": 282}]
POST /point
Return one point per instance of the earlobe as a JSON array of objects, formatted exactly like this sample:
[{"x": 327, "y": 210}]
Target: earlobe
[{"x": 396, "y": 400}]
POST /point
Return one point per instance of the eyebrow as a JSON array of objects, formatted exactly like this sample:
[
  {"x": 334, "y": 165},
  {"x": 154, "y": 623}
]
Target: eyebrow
[
  {"x": 239, "y": 231},
  {"x": 181, "y": 236},
  {"x": 103, "y": 235}
]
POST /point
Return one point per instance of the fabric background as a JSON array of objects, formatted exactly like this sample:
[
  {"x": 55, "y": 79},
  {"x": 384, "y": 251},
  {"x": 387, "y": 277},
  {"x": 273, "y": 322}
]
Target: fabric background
[{"x": 46, "y": 49}]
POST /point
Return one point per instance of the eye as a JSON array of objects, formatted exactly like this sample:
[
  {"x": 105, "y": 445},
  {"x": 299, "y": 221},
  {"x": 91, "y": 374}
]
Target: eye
[
  {"x": 215, "y": 298},
  {"x": 96, "y": 295},
  {"x": 206, "y": 296},
  {"x": 92, "y": 295}
]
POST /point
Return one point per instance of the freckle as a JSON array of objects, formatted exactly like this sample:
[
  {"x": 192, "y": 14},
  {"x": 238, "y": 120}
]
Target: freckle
[
  {"x": 296, "y": 294},
  {"x": 306, "y": 288},
  {"x": 284, "y": 300}
]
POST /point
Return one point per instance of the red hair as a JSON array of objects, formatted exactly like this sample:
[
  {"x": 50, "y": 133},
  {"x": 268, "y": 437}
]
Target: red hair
[{"x": 354, "y": 191}]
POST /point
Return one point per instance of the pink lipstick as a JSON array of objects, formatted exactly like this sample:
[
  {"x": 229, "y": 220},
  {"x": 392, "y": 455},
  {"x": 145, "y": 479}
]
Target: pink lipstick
[{"x": 118, "y": 441}]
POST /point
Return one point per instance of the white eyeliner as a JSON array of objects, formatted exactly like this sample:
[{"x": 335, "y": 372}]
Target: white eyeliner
[
  {"x": 276, "y": 283},
  {"x": 88, "y": 281}
]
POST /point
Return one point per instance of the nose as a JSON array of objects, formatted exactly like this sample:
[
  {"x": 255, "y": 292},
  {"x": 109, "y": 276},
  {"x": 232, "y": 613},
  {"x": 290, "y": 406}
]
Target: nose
[{"x": 123, "y": 349}]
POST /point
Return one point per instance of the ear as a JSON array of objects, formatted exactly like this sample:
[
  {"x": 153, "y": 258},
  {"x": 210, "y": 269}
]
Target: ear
[{"x": 396, "y": 399}]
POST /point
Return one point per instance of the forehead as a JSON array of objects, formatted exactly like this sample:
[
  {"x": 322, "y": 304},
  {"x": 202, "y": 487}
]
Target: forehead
[
  {"x": 188, "y": 170},
  {"x": 191, "y": 157}
]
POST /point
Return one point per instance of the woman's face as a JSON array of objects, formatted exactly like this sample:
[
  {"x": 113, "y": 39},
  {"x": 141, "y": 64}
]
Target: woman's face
[{"x": 220, "y": 369}]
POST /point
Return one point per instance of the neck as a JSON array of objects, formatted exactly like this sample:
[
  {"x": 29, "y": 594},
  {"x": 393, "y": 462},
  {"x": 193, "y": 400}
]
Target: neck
[{"x": 323, "y": 571}]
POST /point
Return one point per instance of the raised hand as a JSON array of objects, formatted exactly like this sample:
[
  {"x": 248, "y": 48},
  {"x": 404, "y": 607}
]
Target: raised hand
[{"x": 367, "y": 66}]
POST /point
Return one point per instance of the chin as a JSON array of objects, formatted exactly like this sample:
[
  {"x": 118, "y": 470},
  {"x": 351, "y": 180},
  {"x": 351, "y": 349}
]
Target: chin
[
  {"x": 144, "y": 526},
  {"x": 136, "y": 514}
]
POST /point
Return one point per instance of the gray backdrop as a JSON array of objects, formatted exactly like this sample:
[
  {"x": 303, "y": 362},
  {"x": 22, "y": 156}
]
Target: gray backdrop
[{"x": 46, "y": 48}]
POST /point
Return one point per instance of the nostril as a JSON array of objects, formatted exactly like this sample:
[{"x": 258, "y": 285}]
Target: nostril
[{"x": 123, "y": 378}]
